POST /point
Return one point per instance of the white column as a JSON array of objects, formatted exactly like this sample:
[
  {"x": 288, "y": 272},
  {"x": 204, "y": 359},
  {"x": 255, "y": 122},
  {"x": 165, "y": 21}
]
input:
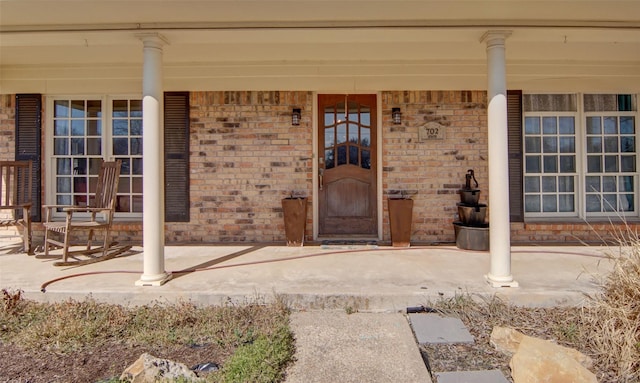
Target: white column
[
  {"x": 153, "y": 160},
  {"x": 499, "y": 227}
]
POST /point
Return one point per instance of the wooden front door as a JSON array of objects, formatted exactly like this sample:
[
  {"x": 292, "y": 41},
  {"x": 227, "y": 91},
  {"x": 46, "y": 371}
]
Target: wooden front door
[{"x": 347, "y": 165}]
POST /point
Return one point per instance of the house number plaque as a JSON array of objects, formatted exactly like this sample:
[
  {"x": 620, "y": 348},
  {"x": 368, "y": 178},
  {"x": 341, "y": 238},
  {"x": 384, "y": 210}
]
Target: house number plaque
[{"x": 431, "y": 131}]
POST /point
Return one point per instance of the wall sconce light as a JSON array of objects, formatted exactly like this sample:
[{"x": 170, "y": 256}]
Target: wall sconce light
[
  {"x": 396, "y": 116},
  {"x": 296, "y": 115}
]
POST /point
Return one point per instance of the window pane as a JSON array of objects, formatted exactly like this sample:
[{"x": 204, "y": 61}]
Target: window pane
[
  {"x": 136, "y": 185},
  {"x": 532, "y": 203},
  {"x": 567, "y": 164},
  {"x": 137, "y": 166},
  {"x": 94, "y": 128},
  {"x": 366, "y": 159},
  {"x": 611, "y": 144},
  {"x": 136, "y": 204},
  {"x": 609, "y": 184},
  {"x": 627, "y": 164},
  {"x": 594, "y": 164},
  {"x": 627, "y": 202},
  {"x": 626, "y": 184},
  {"x": 533, "y": 164},
  {"x": 120, "y": 108},
  {"x": 329, "y": 161},
  {"x": 567, "y": 145},
  {"x": 567, "y": 125},
  {"x": 120, "y": 127},
  {"x": 609, "y": 203},
  {"x": 593, "y": 184},
  {"x": 365, "y": 137},
  {"x": 610, "y": 164},
  {"x": 550, "y": 164},
  {"x": 61, "y": 108},
  {"x": 63, "y": 166},
  {"x": 353, "y": 134},
  {"x": 328, "y": 117},
  {"x": 532, "y": 125},
  {"x": 550, "y": 145},
  {"x": 342, "y": 134},
  {"x": 627, "y": 125},
  {"x": 549, "y": 125},
  {"x": 627, "y": 144},
  {"x": 61, "y": 127},
  {"x": 136, "y": 108},
  {"x": 342, "y": 155},
  {"x": 94, "y": 146},
  {"x": 120, "y": 146},
  {"x": 77, "y": 127},
  {"x": 565, "y": 184},
  {"x": 532, "y": 144},
  {"x": 353, "y": 155},
  {"x": 77, "y": 109},
  {"x": 136, "y": 146},
  {"x": 549, "y": 203},
  {"x": 532, "y": 184},
  {"x": 594, "y": 145},
  {"x": 63, "y": 185},
  {"x": 136, "y": 127},
  {"x": 94, "y": 108},
  {"x": 593, "y": 125},
  {"x": 593, "y": 203},
  {"x": 610, "y": 125},
  {"x": 549, "y": 184},
  {"x": 77, "y": 146},
  {"x": 60, "y": 146},
  {"x": 566, "y": 203},
  {"x": 365, "y": 115},
  {"x": 329, "y": 137}
]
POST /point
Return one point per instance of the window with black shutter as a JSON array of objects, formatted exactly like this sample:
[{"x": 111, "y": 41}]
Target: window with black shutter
[
  {"x": 176, "y": 156},
  {"x": 28, "y": 135},
  {"x": 514, "y": 122}
]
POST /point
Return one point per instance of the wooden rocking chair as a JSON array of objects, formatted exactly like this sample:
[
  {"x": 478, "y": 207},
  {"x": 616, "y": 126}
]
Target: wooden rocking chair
[
  {"x": 104, "y": 204},
  {"x": 15, "y": 190}
]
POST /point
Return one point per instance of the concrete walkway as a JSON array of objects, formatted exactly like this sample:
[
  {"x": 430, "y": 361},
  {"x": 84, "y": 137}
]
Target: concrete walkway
[{"x": 323, "y": 284}]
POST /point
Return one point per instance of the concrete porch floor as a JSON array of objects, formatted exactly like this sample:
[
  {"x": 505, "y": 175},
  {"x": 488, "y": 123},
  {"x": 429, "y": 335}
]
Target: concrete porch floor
[{"x": 364, "y": 278}]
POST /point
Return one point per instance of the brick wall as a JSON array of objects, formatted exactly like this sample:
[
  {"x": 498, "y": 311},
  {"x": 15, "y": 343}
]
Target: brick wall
[
  {"x": 245, "y": 157},
  {"x": 434, "y": 170},
  {"x": 7, "y": 127}
]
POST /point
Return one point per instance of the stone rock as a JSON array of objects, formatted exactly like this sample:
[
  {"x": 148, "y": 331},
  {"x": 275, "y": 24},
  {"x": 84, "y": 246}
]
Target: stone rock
[
  {"x": 541, "y": 361},
  {"x": 508, "y": 340},
  {"x": 149, "y": 369}
]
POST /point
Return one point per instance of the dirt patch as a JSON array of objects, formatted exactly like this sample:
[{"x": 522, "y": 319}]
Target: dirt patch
[{"x": 92, "y": 364}]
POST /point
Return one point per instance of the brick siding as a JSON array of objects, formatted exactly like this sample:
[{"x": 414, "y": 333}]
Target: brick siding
[{"x": 246, "y": 156}]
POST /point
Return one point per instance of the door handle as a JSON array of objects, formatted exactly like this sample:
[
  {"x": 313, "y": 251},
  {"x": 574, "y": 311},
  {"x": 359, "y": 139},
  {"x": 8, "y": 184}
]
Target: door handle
[{"x": 321, "y": 177}]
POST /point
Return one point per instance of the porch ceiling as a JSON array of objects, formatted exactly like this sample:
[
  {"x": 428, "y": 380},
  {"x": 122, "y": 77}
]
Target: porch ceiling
[{"x": 232, "y": 44}]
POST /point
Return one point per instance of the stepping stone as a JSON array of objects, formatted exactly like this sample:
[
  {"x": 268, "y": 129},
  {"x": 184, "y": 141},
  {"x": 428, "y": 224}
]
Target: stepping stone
[
  {"x": 490, "y": 376},
  {"x": 433, "y": 328}
]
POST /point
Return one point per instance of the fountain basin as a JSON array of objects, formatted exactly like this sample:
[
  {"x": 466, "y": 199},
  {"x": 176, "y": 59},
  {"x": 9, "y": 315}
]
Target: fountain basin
[
  {"x": 472, "y": 237},
  {"x": 469, "y": 196},
  {"x": 472, "y": 215}
]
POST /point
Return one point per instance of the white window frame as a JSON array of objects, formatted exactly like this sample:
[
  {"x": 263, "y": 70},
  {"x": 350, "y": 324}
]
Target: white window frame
[
  {"x": 580, "y": 117},
  {"x": 106, "y": 143}
]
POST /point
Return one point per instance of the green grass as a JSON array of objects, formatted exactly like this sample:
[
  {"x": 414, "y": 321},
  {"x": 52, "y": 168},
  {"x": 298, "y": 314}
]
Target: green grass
[{"x": 256, "y": 335}]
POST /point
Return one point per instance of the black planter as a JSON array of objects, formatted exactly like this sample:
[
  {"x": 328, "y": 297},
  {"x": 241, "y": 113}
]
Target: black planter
[
  {"x": 295, "y": 220},
  {"x": 400, "y": 216}
]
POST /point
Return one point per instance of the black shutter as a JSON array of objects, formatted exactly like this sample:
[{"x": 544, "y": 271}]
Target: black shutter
[
  {"x": 176, "y": 156},
  {"x": 28, "y": 142},
  {"x": 514, "y": 122}
]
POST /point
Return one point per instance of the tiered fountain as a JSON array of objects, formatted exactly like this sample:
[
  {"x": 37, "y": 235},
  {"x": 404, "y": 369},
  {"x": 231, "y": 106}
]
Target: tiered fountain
[{"x": 472, "y": 229}]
